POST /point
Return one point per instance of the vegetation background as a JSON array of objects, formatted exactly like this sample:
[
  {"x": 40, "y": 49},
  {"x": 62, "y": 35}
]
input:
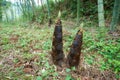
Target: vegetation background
[{"x": 26, "y": 32}]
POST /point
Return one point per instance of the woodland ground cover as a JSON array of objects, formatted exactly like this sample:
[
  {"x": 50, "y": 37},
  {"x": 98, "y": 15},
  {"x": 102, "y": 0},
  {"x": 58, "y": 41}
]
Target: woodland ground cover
[{"x": 25, "y": 53}]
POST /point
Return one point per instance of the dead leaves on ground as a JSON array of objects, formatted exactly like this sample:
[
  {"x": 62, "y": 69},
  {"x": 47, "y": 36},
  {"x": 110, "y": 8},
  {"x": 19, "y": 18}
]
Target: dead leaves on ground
[{"x": 28, "y": 66}]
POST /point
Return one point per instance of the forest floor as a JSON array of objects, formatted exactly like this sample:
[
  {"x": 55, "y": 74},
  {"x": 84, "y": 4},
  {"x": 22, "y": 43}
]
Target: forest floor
[{"x": 25, "y": 53}]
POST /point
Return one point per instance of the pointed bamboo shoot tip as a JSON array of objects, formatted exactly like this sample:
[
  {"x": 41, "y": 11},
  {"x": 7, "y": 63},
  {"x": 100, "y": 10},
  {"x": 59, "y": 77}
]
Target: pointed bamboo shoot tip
[
  {"x": 81, "y": 30},
  {"x": 59, "y": 14}
]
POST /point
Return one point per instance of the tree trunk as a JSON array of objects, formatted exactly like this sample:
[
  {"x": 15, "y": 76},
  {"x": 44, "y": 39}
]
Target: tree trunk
[
  {"x": 101, "y": 13},
  {"x": 33, "y": 9},
  {"x": 115, "y": 16},
  {"x": 0, "y": 10},
  {"x": 78, "y": 11},
  {"x": 49, "y": 16},
  {"x": 42, "y": 4}
]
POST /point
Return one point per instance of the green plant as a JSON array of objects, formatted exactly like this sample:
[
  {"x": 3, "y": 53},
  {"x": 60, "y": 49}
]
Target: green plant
[
  {"x": 39, "y": 78},
  {"x": 46, "y": 45},
  {"x": 68, "y": 77},
  {"x": 112, "y": 56}
]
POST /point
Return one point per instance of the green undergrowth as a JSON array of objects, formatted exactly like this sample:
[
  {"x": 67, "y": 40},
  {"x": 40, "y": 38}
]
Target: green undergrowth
[
  {"x": 22, "y": 44},
  {"x": 103, "y": 49}
]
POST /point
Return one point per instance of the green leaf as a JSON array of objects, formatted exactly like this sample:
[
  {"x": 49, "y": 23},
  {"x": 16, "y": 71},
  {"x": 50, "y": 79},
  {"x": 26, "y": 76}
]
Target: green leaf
[
  {"x": 39, "y": 78},
  {"x": 68, "y": 77},
  {"x": 68, "y": 70},
  {"x": 73, "y": 68}
]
